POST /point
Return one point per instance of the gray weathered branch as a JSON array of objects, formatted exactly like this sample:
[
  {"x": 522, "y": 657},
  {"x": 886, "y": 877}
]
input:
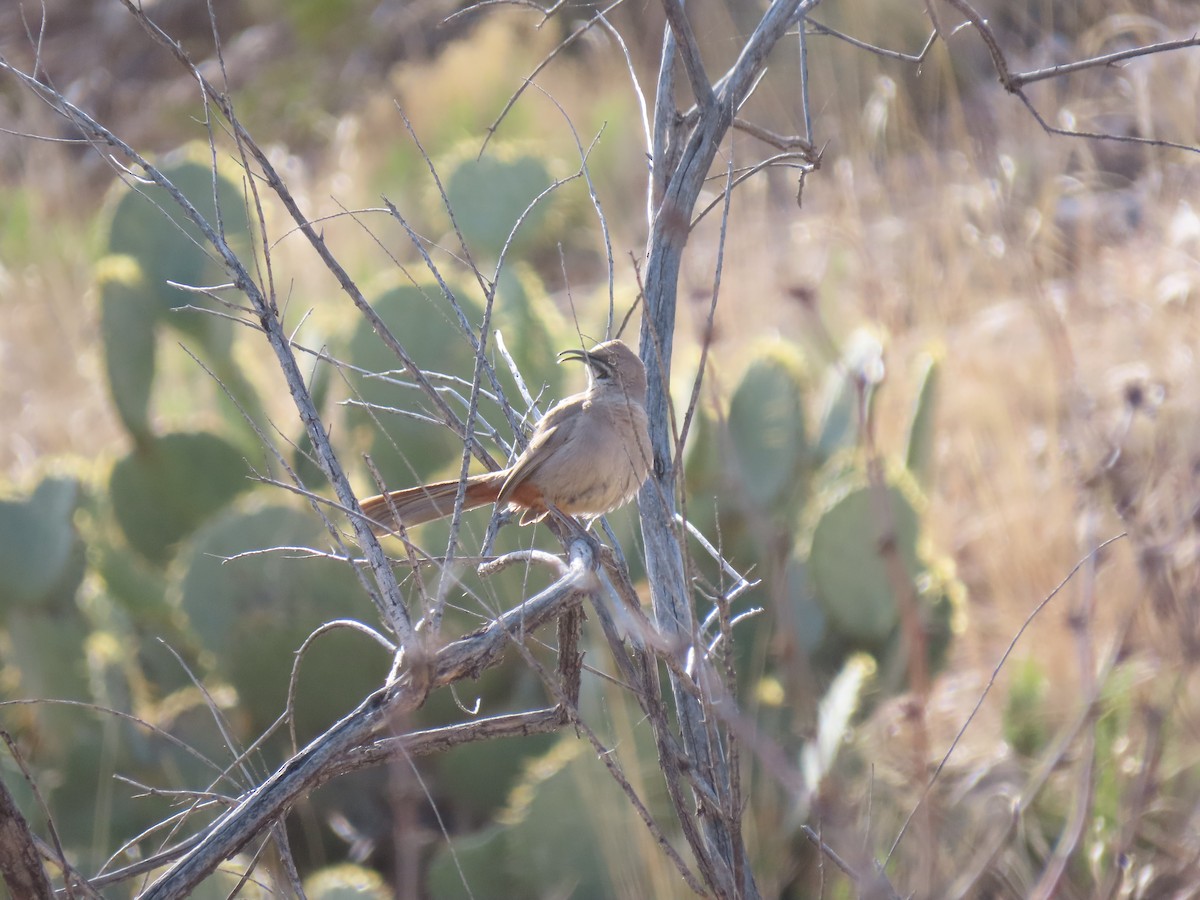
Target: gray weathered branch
[
  {"x": 340, "y": 747},
  {"x": 679, "y": 187}
]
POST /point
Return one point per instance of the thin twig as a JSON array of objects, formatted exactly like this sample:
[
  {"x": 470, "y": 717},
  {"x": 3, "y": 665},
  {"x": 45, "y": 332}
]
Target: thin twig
[
  {"x": 818, "y": 28},
  {"x": 325, "y": 627},
  {"x": 860, "y": 881},
  {"x": 1013, "y": 86},
  {"x": 991, "y": 683},
  {"x": 1023, "y": 78},
  {"x": 562, "y": 45}
]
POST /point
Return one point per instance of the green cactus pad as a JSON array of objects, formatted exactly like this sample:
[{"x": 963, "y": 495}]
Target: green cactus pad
[
  {"x": 127, "y": 325},
  {"x": 847, "y": 564},
  {"x": 252, "y": 613},
  {"x": 148, "y": 226},
  {"x": 345, "y": 882},
  {"x": 919, "y": 456},
  {"x": 805, "y": 612},
  {"x": 476, "y": 778},
  {"x": 420, "y": 318},
  {"x": 766, "y": 428},
  {"x": 477, "y": 868},
  {"x": 489, "y": 195},
  {"x": 531, "y": 854},
  {"x": 168, "y": 485},
  {"x": 533, "y": 330},
  {"x": 41, "y": 555},
  {"x": 135, "y": 585},
  {"x": 46, "y": 648}
]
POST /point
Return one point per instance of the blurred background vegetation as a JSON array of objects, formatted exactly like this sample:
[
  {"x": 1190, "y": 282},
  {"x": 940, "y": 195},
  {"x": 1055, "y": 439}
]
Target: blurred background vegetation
[{"x": 1018, "y": 308}]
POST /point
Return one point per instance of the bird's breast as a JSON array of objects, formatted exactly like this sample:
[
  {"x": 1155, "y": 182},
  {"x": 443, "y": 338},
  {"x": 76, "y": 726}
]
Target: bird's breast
[{"x": 607, "y": 459}]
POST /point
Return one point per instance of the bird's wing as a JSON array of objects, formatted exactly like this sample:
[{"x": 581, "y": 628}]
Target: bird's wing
[{"x": 553, "y": 428}]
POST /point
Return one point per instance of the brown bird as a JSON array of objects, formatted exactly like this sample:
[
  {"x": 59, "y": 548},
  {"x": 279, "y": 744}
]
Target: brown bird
[{"x": 588, "y": 455}]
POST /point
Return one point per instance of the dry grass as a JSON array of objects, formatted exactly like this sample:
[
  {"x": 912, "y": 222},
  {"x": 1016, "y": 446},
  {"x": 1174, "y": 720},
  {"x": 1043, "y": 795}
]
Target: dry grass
[{"x": 53, "y": 391}]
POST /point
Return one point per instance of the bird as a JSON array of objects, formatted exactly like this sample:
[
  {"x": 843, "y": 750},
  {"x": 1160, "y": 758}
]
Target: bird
[{"x": 587, "y": 456}]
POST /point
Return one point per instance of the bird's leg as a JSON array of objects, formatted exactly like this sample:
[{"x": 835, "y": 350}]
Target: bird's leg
[{"x": 580, "y": 528}]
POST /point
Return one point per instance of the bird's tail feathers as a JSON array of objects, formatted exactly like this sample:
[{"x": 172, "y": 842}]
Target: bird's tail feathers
[{"x": 427, "y": 502}]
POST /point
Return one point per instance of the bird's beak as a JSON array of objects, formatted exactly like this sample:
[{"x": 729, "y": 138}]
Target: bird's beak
[{"x": 575, "y": 354}]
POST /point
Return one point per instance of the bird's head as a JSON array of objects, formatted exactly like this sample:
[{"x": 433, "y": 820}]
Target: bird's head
[{"x": 614, "y": 364}]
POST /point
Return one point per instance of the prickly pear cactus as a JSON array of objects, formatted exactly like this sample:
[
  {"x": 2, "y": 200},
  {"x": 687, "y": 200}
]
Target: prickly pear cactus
[
  {"x": 151, "y": 244},
  {"x": 847, "y": 562},
  {"x": 419, "y": 317},
  {"x": 530, "y": 854},
  {"x": 766, "y": 429},
  {"x": 252, "y": 614},
  {"x": 345, "y": 882},
  {"x": 41, "y": 555},
  {"x": 47, "y": 650},
  {"x": 920, "y": 445},
  {"x": 134, "y": 585},
  {"x": 490, "y": 194},
  {"x": 827, "y": 551},
  {"x": 168, "y": 485},
  {"x": 533, "y": 330},
  {"x": 128, "y": 314},
  {"x": 148, "y": 226},
  {"x": 806, "y": 613}
]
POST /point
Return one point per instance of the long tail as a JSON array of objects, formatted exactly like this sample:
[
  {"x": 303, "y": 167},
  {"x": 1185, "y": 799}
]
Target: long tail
[{"x": 426, "y": 502}]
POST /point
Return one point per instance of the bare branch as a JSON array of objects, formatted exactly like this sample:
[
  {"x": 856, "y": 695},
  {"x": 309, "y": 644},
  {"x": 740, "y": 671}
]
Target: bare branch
[
  {"x": 20, "y": 862},
  {"x": 800, "y": 147},
  {"x": 805, "y": 105},
  {"x": 1023, "y": 78},
  {"x": 467, "y": 657},
  {"x": 818, "y": 28},
  {"x": 685, "y": 39},
  {"x": 681, "y": 186},
  {"x": 439, "y": 740},
  {"x": 1099, "y": 135},
  {"x": 1014, "y": 83}
]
